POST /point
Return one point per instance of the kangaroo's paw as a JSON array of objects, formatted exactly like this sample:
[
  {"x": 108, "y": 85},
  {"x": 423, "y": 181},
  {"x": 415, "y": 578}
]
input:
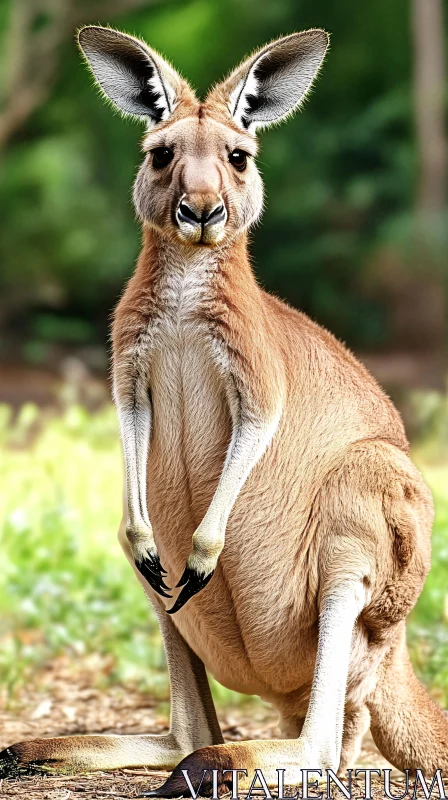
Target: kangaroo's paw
[
  {"x": 13, "y": 766},
  {"x": 198, "y": 766},
  {"x": 146, "y": 557},
  {"x": 192, "y": 582},
  {"x": 152, "y": 570},
  {"x": 201, "y": 564},
  {"x": 36, "y": 757}
]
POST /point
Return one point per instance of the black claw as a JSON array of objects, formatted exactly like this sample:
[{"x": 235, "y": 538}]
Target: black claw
[
  {"x": 193, "y": 582},
  {"x": 185, "y": 576},
  {"x": 9, "y": 764},
  {"x": 151, "y": 569},
  {"x": 12, "y": 767}
]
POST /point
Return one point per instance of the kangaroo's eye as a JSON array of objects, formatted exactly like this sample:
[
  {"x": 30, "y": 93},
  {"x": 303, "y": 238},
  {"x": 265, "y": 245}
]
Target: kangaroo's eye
[
  {"x": 238, "y": 159},
  {"x": 161, "y": 157}
]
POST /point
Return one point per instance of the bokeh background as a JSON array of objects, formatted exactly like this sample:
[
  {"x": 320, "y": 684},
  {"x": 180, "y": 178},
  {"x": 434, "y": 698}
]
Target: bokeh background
[{"x": 355, "y": 233}]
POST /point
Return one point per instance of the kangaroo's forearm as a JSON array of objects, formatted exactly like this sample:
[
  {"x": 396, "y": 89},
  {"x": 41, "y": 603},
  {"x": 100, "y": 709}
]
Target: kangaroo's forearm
[
  {"x": 135, "y": 417},
  {"x": 251, "y": 437},
  {"x": 135, "y": 428},
  {"x": 255, "y": 394},
  {"x": 255, "y": 399},
  {"x": 131, "y": 394}
]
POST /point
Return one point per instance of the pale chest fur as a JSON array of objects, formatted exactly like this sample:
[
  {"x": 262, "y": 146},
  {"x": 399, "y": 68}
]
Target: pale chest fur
[{"x": 191, "y": 427}]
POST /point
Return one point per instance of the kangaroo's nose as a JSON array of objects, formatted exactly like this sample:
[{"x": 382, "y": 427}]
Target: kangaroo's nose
[{"x": 191, "y": 214}]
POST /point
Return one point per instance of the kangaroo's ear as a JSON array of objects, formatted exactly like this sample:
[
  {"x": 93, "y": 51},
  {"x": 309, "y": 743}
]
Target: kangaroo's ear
[
  {"x": 274, "y": 81},
  {"x": 136, "y": 79}
]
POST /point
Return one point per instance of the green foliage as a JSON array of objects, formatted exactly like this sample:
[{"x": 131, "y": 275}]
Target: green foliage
[
  {"x": 337, "y": 176},
  {"x": 428, "y": 624},
  {"x": 428, "y": 411},
  {"x": 65, "y": 586},
  {"x": 62, "y": 574}
]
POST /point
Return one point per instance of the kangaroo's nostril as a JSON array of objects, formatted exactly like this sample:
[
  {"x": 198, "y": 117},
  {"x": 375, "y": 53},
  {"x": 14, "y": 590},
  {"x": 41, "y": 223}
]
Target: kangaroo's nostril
[
  {"x": 217, "y": 214},
  {"x": 186, "y": 214}
]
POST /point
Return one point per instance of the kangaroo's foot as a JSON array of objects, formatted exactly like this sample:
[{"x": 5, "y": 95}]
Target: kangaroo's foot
[
  {"x": 266, "y": 756},
  {"x": 69, "y": 754},
  {"x": 145, "y": 556}
]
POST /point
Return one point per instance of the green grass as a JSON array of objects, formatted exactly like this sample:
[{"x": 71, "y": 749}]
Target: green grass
[
  {"x": 65, "y": 586},
  {"x": 428, "y": 623}
]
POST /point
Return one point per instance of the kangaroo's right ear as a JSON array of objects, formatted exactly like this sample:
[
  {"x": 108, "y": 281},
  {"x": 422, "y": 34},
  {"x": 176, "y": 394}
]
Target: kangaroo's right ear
[
  {"x": 273, "y": 82},
  {"x": 135, "y": 78}
]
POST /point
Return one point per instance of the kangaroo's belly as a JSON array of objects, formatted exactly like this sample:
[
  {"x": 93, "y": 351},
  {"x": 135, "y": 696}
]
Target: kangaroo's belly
[
  {"x": 252, "y": 625},
  {"x": 255, "y": 624}
]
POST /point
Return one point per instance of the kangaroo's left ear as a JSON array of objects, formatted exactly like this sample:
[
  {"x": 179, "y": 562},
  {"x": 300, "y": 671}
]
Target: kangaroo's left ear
[
  {"x": 274, "y": 81},
  {"x": 137, "y": 80}
]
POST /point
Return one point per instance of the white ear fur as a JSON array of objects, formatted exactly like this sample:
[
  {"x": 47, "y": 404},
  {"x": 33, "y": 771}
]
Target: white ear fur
[
  {"x": 274, "y": 82},
  {"x": 136, "y": 79}
]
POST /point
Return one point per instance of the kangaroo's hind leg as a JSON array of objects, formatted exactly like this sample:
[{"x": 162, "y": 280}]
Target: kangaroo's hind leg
[
  {"x": 320, "y": 741},
  {"x": 193, "y": 721},
  {"x": 356, "y": 723},
  {"x": 372, "y": 521}
]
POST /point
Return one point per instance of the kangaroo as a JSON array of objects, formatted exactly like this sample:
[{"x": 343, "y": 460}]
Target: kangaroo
[{"x": 266, "y": 471}]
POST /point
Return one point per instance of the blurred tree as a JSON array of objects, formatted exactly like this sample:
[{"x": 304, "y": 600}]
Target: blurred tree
[
  {"x": 429, "y": 98},
  {"x": 35, "y": 35},
  {"x": 340, "y": 178},
  {"x": 419, "y": 299}
]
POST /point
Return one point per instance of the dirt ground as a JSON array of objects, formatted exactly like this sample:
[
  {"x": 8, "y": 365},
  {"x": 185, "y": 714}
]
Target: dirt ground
[{"x": 66, "y": 700}]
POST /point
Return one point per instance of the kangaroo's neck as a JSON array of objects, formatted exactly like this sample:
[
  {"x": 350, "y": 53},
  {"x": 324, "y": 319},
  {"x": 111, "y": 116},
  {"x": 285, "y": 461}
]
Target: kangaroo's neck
[{"x": 225, "y": 269}]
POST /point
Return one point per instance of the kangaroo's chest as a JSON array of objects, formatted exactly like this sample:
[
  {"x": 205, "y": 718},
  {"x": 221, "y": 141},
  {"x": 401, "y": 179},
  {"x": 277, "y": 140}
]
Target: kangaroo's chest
[{"x": 191, "y": 426}]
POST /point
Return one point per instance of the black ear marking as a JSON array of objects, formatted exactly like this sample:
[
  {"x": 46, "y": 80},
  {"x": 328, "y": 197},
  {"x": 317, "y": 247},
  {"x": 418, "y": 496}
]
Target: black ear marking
[
  {"x": 147, "y": 97},
  {"x": 273, "y": 83},
  {"x": 253, "y": 103},
  {"x": 256, "y": 102},
  {"x": 136, "y": 79}
]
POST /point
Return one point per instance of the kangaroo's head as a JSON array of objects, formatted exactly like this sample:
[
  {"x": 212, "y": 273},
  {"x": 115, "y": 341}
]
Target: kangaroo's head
[{"x": 199, "y": 181}]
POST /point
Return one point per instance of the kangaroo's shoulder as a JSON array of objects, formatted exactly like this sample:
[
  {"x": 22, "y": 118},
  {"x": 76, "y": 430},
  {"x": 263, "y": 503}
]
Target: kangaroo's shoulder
[{"x": 325, "y": 371}]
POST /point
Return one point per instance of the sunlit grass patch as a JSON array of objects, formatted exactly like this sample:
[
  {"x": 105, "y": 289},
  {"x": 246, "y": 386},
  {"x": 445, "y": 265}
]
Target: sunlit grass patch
[{"x": 65, "y": 584}]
